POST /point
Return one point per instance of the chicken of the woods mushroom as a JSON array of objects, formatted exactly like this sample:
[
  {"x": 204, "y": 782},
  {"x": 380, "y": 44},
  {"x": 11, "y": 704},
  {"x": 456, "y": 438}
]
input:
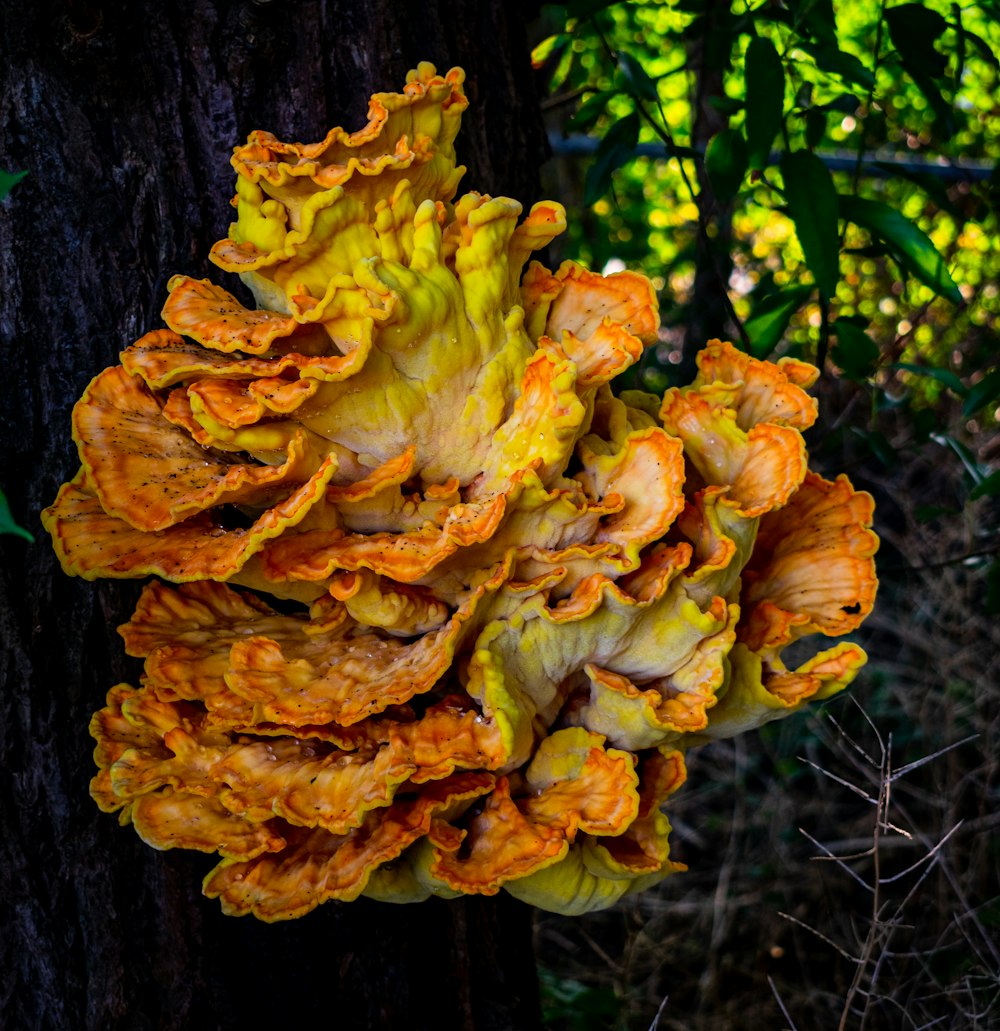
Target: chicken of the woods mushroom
[{"x": 510, "y": 598}]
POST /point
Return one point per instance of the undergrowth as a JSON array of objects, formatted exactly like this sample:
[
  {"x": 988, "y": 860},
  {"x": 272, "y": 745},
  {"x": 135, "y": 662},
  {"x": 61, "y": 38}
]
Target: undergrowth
[{"x": 843, "y": 865}]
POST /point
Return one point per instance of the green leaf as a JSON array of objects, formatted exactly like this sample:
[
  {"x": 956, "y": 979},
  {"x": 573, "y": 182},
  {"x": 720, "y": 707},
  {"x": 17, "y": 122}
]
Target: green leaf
[
  {"x": 544, "y": 50},
  {"x": 771, "y": 13},
  {"x": 944, "y": 115},
  {"x": 813, "y": 206},
  {"x": 846, "y": 103},
  {"x": 7, "y": 524},
  {"x": 963, "y": 454},
  {"x": 985, "y": 50},
  {"x": 569, "y": 1004},
  {"x": 636, "y": 76},
  {"x": 815, "y": 127},
  {"x": 980, "y": 394},
  {"x": 765, "y": 84},
  {"x": 590, "y": 110},
  {"x": 988, "y": 488},
  {"x": 817, "y": 18},
  {"x": 914, "y": 29},
  {"x": 714, "y": 35},
  {"x": 726, "y": 105},
  {"x": 945, "y": 376},
  {"x": 837, "y": 62},
  {"x": 726, "y": 163},
  {"x": 770, "y": 318},
  {"x": 929, "y": 183},
  {"x": 855, "y": 320},
  {"x": 8, "y": 180},
  {"x": 856, "y": 354},
  {"x": 914, "y": 248},
  {"x": 878, "y": 444},
  {"x": 875, "y": 249},
  {"x": 616, "y": 147}
]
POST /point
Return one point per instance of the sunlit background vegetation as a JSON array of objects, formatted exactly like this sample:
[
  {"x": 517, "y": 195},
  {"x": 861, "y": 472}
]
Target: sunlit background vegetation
[{"x": 820, "y": 180}]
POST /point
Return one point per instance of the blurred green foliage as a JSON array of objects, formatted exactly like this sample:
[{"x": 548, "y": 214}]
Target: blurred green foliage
[
  {"x": 8, "y": 180},
  {"x": 875, "y": 89},
  {"x": 805, "y": 177},
  {"x": 569, "y": 1005}
]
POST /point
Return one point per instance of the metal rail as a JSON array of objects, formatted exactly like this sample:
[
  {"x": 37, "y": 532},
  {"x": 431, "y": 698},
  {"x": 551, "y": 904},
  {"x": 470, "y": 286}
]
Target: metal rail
[{"x": 873, "y": 165}]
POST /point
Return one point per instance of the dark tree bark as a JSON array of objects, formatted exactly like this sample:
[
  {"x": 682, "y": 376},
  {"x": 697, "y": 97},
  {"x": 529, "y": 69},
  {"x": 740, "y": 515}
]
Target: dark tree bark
[
  {"x": 124, "y": 115},
  {"x": 709, "y": 317}
]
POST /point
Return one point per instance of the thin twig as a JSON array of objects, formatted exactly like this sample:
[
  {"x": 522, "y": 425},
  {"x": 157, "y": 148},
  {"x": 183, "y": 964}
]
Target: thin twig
[
  {"x": 659, "y": 1013},
  {"x": 875, "y": 925},
  {"x": 781, "y": 1005},
  {"x": 837, "y": 859},
  {"x": 917, "y": 763},
  {"x": 561, "y": 99},
  {"x": 822, "y": 937}
]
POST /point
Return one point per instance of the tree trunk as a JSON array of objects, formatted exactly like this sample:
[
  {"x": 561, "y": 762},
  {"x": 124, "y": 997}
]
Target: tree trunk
[
  {"x": 709, "y": 316},
  {"x": 124, "y": 115}
]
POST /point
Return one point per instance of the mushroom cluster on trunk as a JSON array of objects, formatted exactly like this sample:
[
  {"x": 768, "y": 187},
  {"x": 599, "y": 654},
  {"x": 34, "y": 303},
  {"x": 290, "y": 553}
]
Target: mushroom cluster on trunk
[{"x": 504, "y": 599}]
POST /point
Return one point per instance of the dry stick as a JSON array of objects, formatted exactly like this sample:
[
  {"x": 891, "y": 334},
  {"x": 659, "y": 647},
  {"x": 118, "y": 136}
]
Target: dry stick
[
  {"x": 881, "y": 929},
  {"x": 932, "y": 854},
  {"x": 840, "y": 861},
  {"x": 592, "y": 942},
  {"x": 987, "y": 979},
  {"x": 874, "y": 927},
  {"x": 896, "y": 921},
  {"x": 968, "y": 910},
  {"x": 858, "y": 791},
  {"x": 945, "y": 866},
  {"x": 859, "y": 848},
  {"x": 890, "y": 926},
  {"x": 860, "y": 757},
  {"x": 843, "y": 781},
  {"x": 659, "y": 1013},
  {"x": 781, "y": 1004},
  {"x": 561, "y": 99},
  {"x": 856, "y": 749},
  {"x": 917, "y": 763},
  {"x": 973, "y": 917},
  {"x": 943, "y": 564},
  {"x": 819, "y": 934}
]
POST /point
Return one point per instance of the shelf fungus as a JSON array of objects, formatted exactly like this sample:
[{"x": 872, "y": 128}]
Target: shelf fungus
[{"x": 435, "y": 610}]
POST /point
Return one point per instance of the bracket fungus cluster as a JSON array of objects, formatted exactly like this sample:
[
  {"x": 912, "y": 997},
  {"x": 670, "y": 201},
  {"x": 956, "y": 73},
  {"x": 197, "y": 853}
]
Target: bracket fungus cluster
[{"x": 503, "y": 599}]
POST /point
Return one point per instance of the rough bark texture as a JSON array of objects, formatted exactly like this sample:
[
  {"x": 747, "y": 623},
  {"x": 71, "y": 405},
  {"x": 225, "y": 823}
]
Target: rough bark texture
[{"x": 124, "y": 114}]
